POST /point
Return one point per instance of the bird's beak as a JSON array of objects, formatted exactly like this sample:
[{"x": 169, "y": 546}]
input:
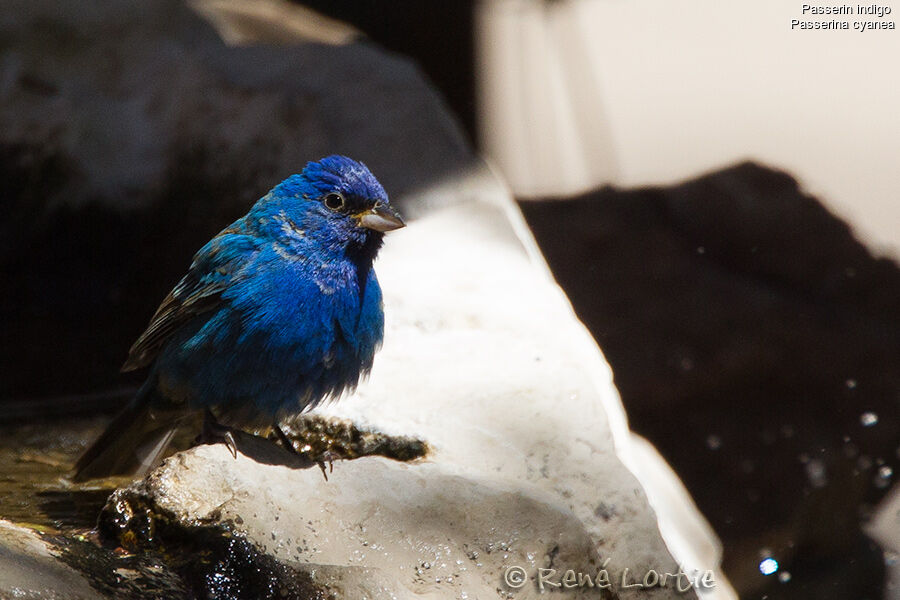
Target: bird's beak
[{"x": 380, "y": 218}]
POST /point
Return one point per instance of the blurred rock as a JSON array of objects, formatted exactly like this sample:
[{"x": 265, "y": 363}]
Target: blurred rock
[
  {"x": 755, "y": 342},
  {"x": 130, "y": 133},
  {"x": 885, "y": 528},
  {"x": 30, "y": 570},
  {"x": 123, "y": 93},
  {"x": 272, "y": 22}
]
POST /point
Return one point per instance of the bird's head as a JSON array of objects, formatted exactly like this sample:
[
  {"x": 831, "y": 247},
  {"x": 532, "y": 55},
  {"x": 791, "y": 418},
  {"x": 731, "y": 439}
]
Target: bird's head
[{"x": 338, "y": 199}]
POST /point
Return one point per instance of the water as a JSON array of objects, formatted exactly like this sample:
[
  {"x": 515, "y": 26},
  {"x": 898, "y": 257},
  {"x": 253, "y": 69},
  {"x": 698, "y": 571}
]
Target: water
[{"x": 35, "y": 460}]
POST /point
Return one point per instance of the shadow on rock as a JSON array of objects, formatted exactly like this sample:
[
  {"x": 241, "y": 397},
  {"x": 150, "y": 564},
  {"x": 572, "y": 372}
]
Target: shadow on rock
[
  {"x": 180, "y": 562},
  {"x": 317, "y": 439}
]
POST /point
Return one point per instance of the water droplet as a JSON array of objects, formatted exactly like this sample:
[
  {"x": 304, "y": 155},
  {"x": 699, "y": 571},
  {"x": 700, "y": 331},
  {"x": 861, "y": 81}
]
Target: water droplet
[
  {"x": 768, "y": 566},
  {"x": 784, "y": 577},
  {"x": 883, "y": 478},
  {"x": 867, "y": 419},
  {"x": 714, "y": 442},
  {"x": 851, "y": 384},
  {"x": 815, "y": 471},
  {"x": 701, "y": 250}
]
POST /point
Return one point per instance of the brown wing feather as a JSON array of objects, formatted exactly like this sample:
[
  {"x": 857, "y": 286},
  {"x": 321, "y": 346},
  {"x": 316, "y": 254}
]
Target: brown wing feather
[
  {"x": 199, "y": 291},
  {"x": 171, "y": 314}
]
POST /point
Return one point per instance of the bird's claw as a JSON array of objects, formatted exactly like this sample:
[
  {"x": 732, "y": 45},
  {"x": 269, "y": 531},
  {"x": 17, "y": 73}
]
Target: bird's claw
[
  {"x": 214, "y": 432},
  {"x": 329, "y": 456},
  {"x": 231, "y": 444}
]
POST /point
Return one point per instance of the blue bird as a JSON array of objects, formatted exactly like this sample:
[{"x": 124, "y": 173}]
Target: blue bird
[{"x": 279, "y": 311}]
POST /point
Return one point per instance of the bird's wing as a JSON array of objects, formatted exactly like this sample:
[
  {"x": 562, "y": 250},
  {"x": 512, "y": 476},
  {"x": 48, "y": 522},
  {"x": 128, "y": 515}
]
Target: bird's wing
[{"x": 214, "y": 268}]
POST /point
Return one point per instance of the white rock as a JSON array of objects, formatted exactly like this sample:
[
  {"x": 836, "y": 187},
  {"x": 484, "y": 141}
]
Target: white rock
[{"x": 129, "y": 96}]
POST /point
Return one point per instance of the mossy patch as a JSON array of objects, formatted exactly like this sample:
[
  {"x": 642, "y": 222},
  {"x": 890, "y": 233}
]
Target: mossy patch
[{"x": 324, "y": 438}]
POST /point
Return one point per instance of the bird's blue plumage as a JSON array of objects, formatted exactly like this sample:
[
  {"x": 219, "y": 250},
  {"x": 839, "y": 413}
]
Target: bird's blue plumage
[{"x": 281, "y": 309}]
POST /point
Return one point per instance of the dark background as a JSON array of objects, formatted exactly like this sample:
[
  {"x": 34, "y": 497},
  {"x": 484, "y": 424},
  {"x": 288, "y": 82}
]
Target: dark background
[{"x": 438, "y": 35}]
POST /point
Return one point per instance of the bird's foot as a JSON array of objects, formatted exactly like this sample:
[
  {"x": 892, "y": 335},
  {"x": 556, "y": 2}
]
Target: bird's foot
[
  {"x": 284, "y": 439},
  {"x": 289, "y": 446},
  {"x": 329, "y": 456},
  {"x": 214, "y": 432}
]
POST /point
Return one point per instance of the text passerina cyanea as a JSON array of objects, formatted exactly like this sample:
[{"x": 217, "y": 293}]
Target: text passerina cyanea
[{"x": 276, "y": 313}]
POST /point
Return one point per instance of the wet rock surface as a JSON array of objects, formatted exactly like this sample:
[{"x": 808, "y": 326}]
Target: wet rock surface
[
  {"x": 29, "y": 569},
  {"x": 392, "y": 529},
  {"x": 59, "y": 548},
  {"x": 755, "y": 342}
]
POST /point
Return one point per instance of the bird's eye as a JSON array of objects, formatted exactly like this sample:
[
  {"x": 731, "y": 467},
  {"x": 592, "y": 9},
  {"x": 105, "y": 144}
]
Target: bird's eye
[{"x": 334, "y": 201}]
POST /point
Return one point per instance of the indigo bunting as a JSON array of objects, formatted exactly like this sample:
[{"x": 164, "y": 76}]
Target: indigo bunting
[{"x": 279, "y": 311}]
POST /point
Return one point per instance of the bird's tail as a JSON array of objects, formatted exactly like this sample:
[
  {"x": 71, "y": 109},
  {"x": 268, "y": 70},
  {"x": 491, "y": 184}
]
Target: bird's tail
[{"x": 133, "y": 442}]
